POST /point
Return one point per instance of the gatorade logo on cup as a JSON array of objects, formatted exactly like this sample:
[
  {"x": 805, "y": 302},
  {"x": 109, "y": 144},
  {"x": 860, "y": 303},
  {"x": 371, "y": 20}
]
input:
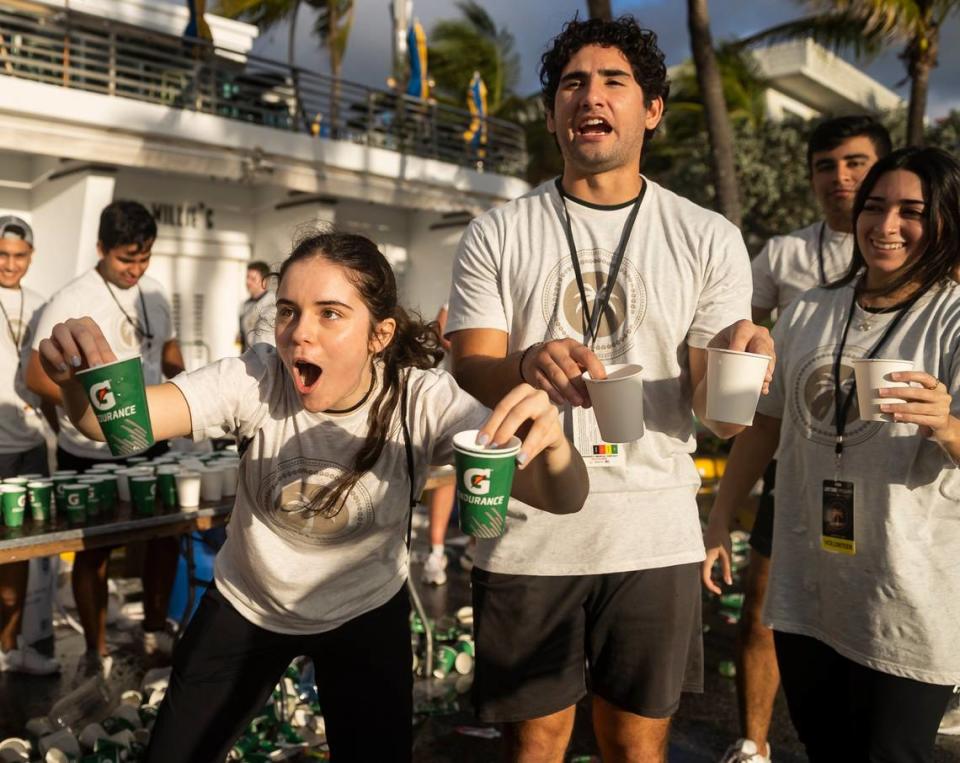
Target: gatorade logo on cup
[
  {"x": 477, "y": 481},
  {"x": 22, "y": 501},
  {"x": 73, "y": 499},
  {"x": 101, "y": 397}
]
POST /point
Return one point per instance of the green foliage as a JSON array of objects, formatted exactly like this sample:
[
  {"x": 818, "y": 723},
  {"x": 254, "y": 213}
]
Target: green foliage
[
  {"x": 458, "y": 47},
  {"x": 771, "y": 171}
]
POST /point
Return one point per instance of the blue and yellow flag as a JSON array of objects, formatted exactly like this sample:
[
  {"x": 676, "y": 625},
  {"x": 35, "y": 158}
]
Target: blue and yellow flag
[
  {"x": 476, "y": 134},
  {"x": 197, "y": 27},
  {"x": 417, "y": 86}
]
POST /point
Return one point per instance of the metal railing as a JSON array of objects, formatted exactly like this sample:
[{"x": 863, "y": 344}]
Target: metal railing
[{"x": 95, "y": 54}]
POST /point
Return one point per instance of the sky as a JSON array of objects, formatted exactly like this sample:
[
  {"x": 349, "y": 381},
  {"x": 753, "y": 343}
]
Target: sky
[{"x": 534, "y": 22}]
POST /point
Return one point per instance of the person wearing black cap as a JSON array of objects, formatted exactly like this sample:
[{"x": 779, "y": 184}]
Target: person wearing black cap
[{"x": 22, "y": 446}]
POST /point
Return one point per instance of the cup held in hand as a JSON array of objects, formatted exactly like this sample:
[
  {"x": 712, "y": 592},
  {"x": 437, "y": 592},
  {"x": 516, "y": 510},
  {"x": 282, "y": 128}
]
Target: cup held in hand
[
  {"x": 119, "y": 399},
  {"x": 734, "y": 383},
  {"x": 484, "y": 479},
  {"x": 871, "y": 375},
  {"x": 617, "y": 402}
]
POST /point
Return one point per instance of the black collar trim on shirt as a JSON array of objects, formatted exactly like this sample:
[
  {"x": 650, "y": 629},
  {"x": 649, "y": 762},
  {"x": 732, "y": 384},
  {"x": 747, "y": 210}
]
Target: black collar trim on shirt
[{"x": 591, "y": 205}]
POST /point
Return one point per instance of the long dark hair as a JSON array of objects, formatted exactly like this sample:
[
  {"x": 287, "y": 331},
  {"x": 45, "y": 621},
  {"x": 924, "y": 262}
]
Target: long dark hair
[
  {"x": 939, "y": 174},
  {"x": 415, "y": 344}
]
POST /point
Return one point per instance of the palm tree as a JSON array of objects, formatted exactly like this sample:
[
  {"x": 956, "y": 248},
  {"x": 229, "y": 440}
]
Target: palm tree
[
  {"x": 715, "y": 110},
  {"x": 743, "y": 87},
  {"x": 458, "y": 47},
  {"x": 600, "y": 9},
  {"x": 866, "y": 27},
  {"x": 332, "y": 26}
]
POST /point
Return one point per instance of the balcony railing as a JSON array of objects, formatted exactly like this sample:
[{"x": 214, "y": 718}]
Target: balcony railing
[{"x": 86, "y": 52}]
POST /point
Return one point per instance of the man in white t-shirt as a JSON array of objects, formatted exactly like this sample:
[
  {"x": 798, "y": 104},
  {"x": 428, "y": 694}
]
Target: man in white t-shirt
[
  {"x": 134, "y": 312},
  {"x": 617, "y": 585},
  {"x": 259, "y": 309},
  {"x": 23, "y": 449},
  {"x": 840, "y": 152}
]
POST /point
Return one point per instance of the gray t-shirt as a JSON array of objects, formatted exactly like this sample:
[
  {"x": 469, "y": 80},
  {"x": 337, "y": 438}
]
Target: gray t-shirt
[
  {"x": 281, "y": 568},
  {"x": 789, "y": 265},
  {"x": 116, "y": 311},
  {"x": 21, "y": 423},
  {"x": 685, "y": 276},
  {"x": 894, "y": 605}
]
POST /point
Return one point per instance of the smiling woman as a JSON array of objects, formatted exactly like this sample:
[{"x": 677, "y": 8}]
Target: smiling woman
[
  {"x": 340, "y": 422},
  {"x": 866, "y": 538}
]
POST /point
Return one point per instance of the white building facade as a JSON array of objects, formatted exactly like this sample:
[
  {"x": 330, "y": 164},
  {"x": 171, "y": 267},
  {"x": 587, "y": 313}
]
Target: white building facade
[{"x": 105, "y": 101}]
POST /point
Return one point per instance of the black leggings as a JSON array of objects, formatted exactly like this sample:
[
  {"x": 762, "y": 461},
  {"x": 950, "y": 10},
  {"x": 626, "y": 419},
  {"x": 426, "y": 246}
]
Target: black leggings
[
  {"x": 845, "y": 711},
  {"x": 225, "y": 668}
]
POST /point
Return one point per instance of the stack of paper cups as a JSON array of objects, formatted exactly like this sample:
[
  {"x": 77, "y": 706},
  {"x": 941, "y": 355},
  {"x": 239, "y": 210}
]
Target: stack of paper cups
[{"x": 211, "y": 484}]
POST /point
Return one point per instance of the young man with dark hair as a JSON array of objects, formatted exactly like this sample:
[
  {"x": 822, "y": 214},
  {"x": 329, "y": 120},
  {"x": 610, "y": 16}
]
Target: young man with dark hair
[
  {"x": 259, "y": 307},
  {"x": 23, "y": 449},
  {"x": 599, "y": 266},
  {"x": 134, "y": 313},
  {"x": 840, "y": 152}
]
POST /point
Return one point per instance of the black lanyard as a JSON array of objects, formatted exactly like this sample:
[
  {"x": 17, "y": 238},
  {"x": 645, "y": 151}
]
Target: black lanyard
[
  {"x": 591, "y": 318},
  {"x": 141, "y": 334},
  {"x": 19, "y": 335},
  {"x": 841, "y": 407},
  {"x": 823, "y": 272}
]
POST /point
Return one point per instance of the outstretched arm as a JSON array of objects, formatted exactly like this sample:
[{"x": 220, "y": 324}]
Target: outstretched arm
[
  {"x": 79, "y": 344},
  {"x": 551, "y": 475}
]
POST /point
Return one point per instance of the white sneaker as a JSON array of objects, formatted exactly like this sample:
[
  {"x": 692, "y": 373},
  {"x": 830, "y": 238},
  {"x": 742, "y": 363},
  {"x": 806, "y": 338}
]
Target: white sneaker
[
  {"x": 950, "y": 725},
  {"x": 434, "y": 569},
  {"x": 26, "y": 659},
  {"x": 745, "y": 751}
]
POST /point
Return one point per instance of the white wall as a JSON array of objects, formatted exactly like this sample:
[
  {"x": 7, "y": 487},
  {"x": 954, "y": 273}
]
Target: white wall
[
  {"x": 427, "y": 284},
  {"x": 65, "y": 217}
]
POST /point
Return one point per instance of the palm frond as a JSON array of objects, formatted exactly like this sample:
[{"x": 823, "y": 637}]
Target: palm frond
[
  {"x": 478, "y": 17},
  {"x": 835, "y": 31}
]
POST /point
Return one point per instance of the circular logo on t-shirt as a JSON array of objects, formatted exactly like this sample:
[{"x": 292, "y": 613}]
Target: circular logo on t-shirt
[
  {"x": 127, "y": 331},
  {"x": 563, "y": 308},
  {"x": 813, "y": 404},
  {"x": 294, "y": 494}
]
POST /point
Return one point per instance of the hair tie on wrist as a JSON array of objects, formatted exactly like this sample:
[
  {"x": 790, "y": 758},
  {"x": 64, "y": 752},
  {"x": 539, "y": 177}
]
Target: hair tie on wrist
[{"x": 523, "y": 356}]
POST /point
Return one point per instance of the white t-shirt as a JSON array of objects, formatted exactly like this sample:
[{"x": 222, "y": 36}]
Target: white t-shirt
[
  {"x": 789, "y": 265},
  {"x": 293, "y": 573},
  {"x": 88, "y": 294},
  {"x": 257, "y": 317},
  {"x": 21, "y": 423},
  {"x": 685, "y": 276},
  {"x": 894, "y": 605}
]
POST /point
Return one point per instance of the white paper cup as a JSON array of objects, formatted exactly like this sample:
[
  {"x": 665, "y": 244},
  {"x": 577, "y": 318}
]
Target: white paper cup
[
  {"x": 618, "y": 402},
  {"x": 188, "y": 489},
  {"x": 734, "y": 382},
  {"x": 871, "y": 375},
  {"x": 228, "y": 474},
  {"x": 211, "y": 484},
  {"x": 123, "y": 484}
]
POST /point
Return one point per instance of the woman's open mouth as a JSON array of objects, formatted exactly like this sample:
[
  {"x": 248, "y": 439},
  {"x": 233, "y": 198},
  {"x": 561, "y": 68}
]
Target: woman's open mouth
[{"x": 306, "y": 376}]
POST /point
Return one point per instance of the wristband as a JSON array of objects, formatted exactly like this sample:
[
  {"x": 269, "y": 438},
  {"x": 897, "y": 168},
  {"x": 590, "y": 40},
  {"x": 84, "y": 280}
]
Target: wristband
[{"x": 523, "y": 356}]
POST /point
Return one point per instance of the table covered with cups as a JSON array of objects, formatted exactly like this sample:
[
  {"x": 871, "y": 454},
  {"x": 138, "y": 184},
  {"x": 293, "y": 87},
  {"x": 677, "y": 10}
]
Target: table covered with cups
[{"x": 114, "y": 504}]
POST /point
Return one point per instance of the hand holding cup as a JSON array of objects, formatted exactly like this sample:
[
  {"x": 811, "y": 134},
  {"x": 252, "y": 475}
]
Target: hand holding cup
[
  {"x": 746, "y": 336},
  {"x": 927, "y": 404},
  {"x": 73, "y": 345},
  {"x": 531, "y": 410},
  {"x": 556, "y": 368}
]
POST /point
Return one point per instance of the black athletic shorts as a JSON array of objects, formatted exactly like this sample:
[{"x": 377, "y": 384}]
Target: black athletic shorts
[
  {"x": 634, "y": 638},
  {"x": 761, "y": 536}
]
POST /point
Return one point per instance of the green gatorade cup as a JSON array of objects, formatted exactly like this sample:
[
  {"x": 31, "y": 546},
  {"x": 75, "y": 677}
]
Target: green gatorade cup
[
  {"x": 14, "y": 500},
  {"x": 40, "y": 495},
  {"x": 119, "y": 399},
  {"x": 75, "y": 501},
  {"x": 143, "y": 495},
  {"x": 484, "y": 479}
]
